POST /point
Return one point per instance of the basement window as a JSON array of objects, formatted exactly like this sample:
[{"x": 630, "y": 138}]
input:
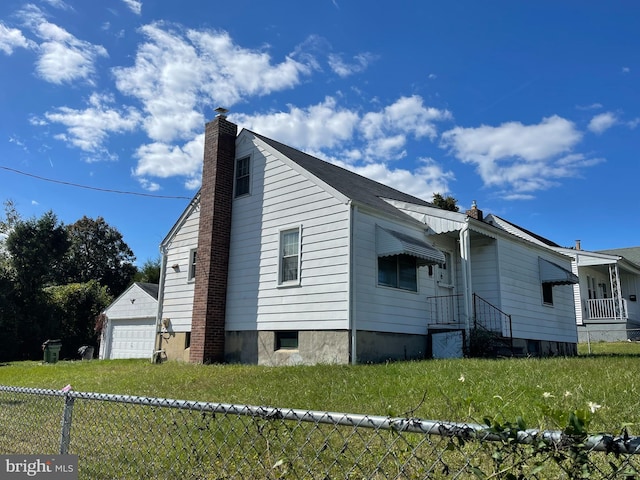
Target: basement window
[
  {"x": 286, "y": 340},
  {"x": 243, "y": 176}
]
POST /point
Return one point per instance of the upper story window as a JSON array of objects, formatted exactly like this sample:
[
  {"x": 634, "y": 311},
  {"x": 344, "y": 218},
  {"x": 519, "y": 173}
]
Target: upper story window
[
  {"x": 398, "y": 271},
  {"x": 191, "y": 275},
  {"x": 290, "y": 256},
  {"x": 243, "y": 176}
]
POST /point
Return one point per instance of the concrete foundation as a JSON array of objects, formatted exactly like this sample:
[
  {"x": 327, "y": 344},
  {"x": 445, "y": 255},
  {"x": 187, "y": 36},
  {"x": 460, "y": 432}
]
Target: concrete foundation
[
  {"x": 376, "y": 347},
  {"x": 608, "y": 332},
  {"x": 174, "y": 345},
  {"x": 314, "y": 347}
]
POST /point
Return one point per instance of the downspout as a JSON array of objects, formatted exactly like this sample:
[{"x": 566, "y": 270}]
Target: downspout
[
  {"x": 465, "y": 257},
  {"x": 163, "y": 274},
  {"x": 352, "y": 284}
]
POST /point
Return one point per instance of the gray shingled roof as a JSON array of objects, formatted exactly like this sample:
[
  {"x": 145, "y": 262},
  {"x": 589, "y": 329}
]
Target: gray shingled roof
[
  {"x": 356, "y": 187},
  {"x": 632, "y": 253},
  {"x": 150, "y": 288}
]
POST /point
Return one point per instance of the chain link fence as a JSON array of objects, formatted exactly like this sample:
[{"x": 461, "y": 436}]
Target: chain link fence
[{"x": 128, "y": 437}]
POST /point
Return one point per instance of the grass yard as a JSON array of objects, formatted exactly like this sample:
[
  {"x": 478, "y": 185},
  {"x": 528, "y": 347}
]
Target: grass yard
[{"x": 456, "y": 390}]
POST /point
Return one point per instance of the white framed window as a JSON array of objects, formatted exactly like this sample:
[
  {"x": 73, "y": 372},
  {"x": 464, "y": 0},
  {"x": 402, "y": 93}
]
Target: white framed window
[
  {"x": 398, "y": 271},
  {"x": 289, "y": 257},
  {"x": 243, "y": 176},
  {"x": 191, "y": 273}
]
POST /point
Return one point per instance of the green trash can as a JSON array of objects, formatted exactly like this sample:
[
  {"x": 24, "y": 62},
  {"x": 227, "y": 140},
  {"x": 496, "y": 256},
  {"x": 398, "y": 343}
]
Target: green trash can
[{"x": 51, "y": 349}]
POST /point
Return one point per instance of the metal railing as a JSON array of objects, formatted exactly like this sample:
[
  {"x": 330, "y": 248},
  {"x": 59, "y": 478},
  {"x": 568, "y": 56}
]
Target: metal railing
[
  {"x": 490, "y": 317},
  {"x": 444, "y": 310},
  {"x": 130, "y": 437},
  {"x": 605, "y": 308}
]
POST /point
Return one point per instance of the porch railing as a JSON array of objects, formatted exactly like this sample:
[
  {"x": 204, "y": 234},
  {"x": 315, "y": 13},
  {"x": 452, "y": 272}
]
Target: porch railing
[
  {"x": 605, "y": 309},
  {"x": 490, "y": 317},
  {"x": 444, "y": 310}
]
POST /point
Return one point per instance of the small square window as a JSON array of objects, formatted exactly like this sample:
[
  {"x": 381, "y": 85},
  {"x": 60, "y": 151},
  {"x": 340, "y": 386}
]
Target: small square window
[
  {"x": 243, "y": 176},
  {"x": 286, "y": 340}
]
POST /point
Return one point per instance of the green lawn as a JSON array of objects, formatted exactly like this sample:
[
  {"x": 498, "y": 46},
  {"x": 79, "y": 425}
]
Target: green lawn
[{"x": 456, "y": 390}]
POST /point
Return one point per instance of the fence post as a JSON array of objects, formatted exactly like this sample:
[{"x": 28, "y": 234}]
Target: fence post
[{"x": 65, "y": 424}]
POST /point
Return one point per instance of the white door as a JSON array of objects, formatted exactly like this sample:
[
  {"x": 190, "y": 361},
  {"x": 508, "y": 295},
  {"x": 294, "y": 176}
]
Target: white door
[
  {"x": 445, "y": 281},
  {"x": 132, "y": 338}
]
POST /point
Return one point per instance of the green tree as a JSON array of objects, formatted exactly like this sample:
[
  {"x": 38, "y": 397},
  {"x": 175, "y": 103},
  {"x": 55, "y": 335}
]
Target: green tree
[
  {"x": 36, "y": 250},
  {"x": 150, "y": 271},
  {"x": 76, "y": 307},
  {"x": 98, "y": 252},
  {"x": 445, "y": 203}
]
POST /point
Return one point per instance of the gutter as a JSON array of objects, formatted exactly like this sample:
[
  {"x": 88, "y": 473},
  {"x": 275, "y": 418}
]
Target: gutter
[
  {"x": 163, "y": 274},
  {"x": 465, "y": 258},
  {"x": 353, "y": 209}
]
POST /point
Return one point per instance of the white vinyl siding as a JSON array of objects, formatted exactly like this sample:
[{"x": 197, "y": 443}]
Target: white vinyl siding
[
  {"x": 522, "y": 295},
  {"x": 177, "y": 303},
  {"x": 281, "y": 197},
  {"x": 384, "y": 309}
]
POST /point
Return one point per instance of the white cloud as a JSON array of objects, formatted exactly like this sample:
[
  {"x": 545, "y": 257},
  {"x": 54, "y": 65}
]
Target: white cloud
[
  {"x": 176, "y": 75},
  {"x": 88, "y": 129},
  {"x": 62, "y": 58},
  {"x": 524, "y": 158},
  {"x": 12, "y": 38},
  {"x": 626, "y": 69},
  {"x": 602, "y": 122},
  {"x": 593, "y": 106},
  {"x": 164, "y": 160},
  {"x": 324, "y": 125},
  {"x": 58, "y": 4},
  {"x": 344, "y": 69},
  {"x": 134, "y": 5}
]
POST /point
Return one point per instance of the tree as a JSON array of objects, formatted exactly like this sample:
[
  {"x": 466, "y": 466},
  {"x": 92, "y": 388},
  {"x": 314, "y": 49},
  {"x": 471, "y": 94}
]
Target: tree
[
  {"x": 37, "y": 248},
  {"x": 98, "y": 252},
  {"x": 76, "y": 307},
  {"x": 448, "y": 203},
  {"x": 150, "y": 271}
]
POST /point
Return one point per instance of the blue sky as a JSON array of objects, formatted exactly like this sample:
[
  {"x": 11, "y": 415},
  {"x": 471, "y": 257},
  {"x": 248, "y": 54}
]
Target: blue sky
[{"x": 530, "y": 108}]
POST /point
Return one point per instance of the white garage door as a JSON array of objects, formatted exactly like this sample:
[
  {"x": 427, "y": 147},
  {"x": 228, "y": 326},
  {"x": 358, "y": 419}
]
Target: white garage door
[{"x": 132, "y": 338}]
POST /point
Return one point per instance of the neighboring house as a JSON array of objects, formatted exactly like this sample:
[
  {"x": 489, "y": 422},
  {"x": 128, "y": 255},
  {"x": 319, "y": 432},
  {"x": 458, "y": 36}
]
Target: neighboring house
[
  {"x": 284, "y": 258},
  {"x": 130, "y": 328},
  {"x": 606, "y": 295}
]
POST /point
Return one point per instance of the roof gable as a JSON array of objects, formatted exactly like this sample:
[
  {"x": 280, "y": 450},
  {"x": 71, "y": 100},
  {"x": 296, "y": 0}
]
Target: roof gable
[{"x": 357, "y": 188}]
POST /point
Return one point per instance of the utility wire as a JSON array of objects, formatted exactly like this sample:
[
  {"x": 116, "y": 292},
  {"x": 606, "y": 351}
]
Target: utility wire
[{"x": 107, "y": 190}]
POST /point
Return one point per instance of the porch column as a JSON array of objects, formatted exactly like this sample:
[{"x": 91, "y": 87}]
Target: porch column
[{"x": 467, "y": 290}]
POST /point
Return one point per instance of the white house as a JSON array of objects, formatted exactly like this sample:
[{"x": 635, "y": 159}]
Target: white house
[
  {"x": 284, "y": 258},
  {"x": 130, "y": 328},
  {"x": 606, "y": 305}
]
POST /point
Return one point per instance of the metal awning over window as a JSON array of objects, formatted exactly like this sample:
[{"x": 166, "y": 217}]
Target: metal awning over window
[
  {"x": 554, "y": 274},
  {"x": 390, "y": 242}
]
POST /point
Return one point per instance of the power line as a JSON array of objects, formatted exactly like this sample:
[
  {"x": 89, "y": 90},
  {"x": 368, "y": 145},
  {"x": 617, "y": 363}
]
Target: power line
[{"x": 107, "y": 190}]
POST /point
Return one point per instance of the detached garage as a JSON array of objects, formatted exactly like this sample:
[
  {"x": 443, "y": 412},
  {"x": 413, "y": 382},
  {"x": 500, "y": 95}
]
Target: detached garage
[{"x": 130, "y": 326}]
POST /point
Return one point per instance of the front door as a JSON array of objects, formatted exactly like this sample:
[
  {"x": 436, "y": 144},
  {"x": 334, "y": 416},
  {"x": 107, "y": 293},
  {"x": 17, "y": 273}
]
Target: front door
[{"x": 445, "y": 288}]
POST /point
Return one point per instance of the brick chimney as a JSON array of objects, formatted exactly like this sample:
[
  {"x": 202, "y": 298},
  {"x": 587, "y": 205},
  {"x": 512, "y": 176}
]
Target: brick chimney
[
  {"x": 475, "y": 212},
  {"x": 212, "y": 259}
]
